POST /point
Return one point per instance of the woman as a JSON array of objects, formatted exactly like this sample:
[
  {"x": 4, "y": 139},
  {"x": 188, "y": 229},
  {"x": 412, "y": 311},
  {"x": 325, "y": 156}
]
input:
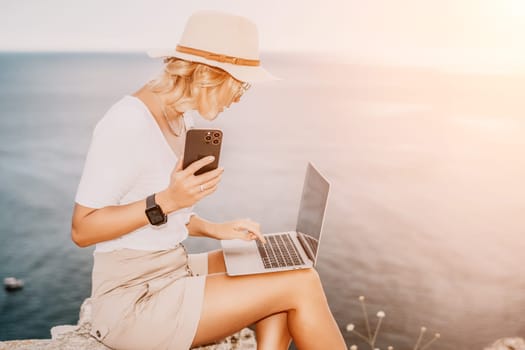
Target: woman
[{"x": 147, "y": 292}]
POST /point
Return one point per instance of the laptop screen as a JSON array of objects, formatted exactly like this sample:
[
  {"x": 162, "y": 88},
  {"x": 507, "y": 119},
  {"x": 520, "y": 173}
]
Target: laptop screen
[{"x": 312, "y": 210}]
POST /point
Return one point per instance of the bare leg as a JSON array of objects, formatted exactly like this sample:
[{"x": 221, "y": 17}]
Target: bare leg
[
  {"x": 272, "y": 331},
  {"x": 216, "y": 262},
  {"x": 232, "y": 303}
]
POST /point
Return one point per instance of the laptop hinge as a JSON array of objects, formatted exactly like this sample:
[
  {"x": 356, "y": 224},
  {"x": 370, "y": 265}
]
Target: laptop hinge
[{"x": 305, "y": 246}]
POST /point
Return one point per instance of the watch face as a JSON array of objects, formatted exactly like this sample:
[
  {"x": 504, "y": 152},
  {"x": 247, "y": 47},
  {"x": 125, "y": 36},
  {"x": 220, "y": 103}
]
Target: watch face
[{"x": 155, "y": 215}]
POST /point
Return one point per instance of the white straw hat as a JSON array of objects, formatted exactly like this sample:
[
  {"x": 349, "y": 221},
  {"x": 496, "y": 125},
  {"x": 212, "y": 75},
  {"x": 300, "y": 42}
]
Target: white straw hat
[{"x": 221, "y": 40}]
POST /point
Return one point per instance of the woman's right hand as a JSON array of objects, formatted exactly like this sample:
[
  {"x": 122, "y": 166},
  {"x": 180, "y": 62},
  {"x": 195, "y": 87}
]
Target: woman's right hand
[{"x": 186, "y": 188}]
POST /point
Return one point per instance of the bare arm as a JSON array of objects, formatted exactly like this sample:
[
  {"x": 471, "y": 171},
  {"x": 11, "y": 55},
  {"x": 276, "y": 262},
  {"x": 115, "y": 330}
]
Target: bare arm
[
  {"x": 90, "y": 226},
  {"x": 244, "y": 229},
  {"x": 198, "y": 227}
]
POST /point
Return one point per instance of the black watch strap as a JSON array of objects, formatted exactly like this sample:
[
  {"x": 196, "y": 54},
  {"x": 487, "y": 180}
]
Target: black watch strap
[
  {"x": 150, "y": 201},
  {"x": 154, "y": 212}
]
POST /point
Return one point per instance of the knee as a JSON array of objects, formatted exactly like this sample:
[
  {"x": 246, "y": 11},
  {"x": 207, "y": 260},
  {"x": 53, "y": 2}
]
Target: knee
[
  {"x": 295, "y": 288},
  {"x": 309, "y": 278},
  {"x": 307, "y": 287}
]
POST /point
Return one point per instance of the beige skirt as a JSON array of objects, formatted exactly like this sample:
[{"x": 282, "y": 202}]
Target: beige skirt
[{"x": 147, "y": 299}]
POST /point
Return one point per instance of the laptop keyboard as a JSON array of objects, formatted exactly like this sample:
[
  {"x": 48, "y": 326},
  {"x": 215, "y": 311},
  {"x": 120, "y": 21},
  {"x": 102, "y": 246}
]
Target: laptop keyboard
[{"x": 279, "y": 251}]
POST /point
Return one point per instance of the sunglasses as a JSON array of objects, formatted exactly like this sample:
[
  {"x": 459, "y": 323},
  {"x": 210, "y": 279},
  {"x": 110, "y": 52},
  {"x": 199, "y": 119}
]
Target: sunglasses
[{"x": 242, "y": 89}]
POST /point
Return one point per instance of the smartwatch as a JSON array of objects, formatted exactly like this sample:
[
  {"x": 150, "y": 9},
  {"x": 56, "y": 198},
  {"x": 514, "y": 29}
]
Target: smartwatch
[{"x": 154, "y": 212}]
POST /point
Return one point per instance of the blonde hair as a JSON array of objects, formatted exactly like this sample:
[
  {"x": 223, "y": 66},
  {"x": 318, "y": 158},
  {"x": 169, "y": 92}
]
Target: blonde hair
[{"x": 182, "y": 81}]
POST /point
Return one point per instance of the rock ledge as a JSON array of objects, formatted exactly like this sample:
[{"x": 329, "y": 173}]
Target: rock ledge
[{"x": 69, "y": 337}]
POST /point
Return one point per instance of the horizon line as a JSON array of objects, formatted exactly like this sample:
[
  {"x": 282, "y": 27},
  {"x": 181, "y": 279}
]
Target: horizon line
[{"x": 318, "y": 56}]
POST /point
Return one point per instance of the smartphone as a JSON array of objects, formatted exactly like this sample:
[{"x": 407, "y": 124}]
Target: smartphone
[{"x": 201, "y": 143}]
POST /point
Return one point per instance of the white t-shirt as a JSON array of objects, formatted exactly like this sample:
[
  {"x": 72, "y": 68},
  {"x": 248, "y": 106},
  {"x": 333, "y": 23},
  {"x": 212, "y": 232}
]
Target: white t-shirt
[{"x": 128, "y": 160}]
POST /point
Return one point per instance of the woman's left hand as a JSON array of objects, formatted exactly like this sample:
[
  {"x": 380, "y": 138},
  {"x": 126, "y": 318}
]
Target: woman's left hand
[{"x": 245, "y": 229}]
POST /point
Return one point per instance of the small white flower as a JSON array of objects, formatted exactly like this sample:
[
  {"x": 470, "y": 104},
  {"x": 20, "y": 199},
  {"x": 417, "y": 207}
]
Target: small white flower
[
  {"x": 381, "y": 314},
  {"x": 423, "y": 329},
  {"x": 350, "y": 327},
  {"x": 361, "y": 298},
  {"x": 353, "y": 347},
  {"x": 437, "y": 335}
]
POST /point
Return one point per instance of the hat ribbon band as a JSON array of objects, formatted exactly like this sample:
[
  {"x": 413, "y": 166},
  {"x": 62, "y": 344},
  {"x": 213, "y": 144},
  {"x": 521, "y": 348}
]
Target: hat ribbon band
[{"x": 217, "y": 57}]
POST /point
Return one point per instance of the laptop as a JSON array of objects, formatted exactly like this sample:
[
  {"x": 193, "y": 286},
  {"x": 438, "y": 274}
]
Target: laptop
[{"x": 289, "y": 250}]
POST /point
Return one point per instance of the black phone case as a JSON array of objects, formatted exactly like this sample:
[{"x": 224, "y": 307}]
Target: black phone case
[{"x": 201, "y": 143}]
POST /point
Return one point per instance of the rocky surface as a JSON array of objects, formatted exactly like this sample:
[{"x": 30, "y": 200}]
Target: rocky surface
[
  {"x": 507, "y": 344},
  {"x": 78, "y": 337}
]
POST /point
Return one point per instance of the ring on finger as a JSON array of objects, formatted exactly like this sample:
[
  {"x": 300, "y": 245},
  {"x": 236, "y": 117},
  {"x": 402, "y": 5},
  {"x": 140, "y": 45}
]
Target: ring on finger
[{"x": 202, "y": 188}]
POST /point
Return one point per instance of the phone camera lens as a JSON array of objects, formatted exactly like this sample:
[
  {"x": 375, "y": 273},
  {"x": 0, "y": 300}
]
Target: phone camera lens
[
  {"x": 215, "y": 142},
  {"x": 208, "y": 137},
  {"x": 216, "y": 134}
]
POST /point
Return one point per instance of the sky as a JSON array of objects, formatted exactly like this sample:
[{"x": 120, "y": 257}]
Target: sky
[{"x": 467, "y": 34}]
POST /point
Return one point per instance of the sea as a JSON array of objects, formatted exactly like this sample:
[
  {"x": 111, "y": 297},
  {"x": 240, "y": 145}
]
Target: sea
[{"x": 426, "y": 217}]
